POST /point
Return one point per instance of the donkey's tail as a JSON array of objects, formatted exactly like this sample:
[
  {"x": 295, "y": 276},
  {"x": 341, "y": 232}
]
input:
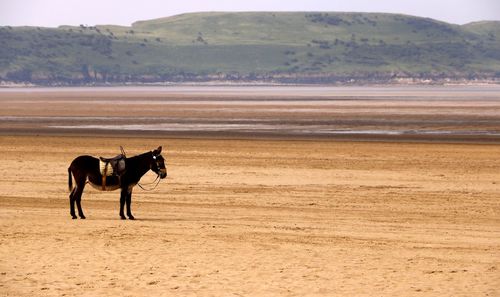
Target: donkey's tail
[{"x": 70, "y": 180}]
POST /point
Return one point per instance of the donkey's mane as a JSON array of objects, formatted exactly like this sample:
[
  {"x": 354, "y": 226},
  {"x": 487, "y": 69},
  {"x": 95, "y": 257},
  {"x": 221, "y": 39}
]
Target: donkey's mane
[{"x": 141, "y": 155}]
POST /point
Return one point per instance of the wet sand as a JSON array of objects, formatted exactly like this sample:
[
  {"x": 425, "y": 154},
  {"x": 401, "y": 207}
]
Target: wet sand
[{"x": 255, "y": 213}]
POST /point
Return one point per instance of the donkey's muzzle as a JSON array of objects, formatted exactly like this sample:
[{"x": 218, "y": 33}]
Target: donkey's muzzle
[{"x": 163, "y": 173}]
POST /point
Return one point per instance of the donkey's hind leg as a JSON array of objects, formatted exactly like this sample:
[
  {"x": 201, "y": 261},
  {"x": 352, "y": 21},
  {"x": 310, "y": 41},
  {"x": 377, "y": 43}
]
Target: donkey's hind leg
[
  {"x": 78, "y": 200},
  {"x": 72, "y": 204}
]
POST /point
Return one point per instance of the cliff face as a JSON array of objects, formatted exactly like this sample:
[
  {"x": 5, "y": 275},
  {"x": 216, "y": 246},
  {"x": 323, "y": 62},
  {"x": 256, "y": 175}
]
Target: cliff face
[{"x": 280, "y": 47}]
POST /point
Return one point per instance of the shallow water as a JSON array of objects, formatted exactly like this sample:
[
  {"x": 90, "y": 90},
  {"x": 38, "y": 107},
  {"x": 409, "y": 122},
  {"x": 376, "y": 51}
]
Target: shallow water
[{"x": 355, "y": 112}]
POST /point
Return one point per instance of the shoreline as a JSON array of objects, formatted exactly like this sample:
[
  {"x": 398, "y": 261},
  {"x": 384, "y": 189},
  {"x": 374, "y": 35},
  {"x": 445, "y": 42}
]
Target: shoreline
[
  {"x": 7, "y": 85},
  {"x": 357, "y": 138}
]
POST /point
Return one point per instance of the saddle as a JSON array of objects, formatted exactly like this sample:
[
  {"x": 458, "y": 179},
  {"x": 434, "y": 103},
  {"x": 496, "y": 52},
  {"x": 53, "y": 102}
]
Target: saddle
[{"x": 111, "y": 167}]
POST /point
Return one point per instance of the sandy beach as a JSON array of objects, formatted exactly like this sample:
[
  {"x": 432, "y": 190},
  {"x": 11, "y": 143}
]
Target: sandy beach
[{"x": 248, "y": 214}]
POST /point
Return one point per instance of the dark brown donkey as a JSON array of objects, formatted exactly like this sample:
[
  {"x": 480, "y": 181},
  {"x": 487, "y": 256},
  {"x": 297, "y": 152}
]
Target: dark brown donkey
[{"x": 86, "y": 169}]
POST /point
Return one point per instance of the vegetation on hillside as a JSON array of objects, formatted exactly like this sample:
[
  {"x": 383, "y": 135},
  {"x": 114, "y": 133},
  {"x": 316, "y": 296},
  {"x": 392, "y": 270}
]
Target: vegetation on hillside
[{"x": 308, "y": 47}]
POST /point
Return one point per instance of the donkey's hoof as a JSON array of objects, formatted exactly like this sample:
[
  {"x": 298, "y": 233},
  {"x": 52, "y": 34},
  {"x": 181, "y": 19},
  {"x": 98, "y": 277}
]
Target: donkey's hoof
[
  {"x": 74, "y": 217},
  {"x": 82, "y": 217},
  {"x": 123, "y": 217},
  {"x": 131, "y": 217}
]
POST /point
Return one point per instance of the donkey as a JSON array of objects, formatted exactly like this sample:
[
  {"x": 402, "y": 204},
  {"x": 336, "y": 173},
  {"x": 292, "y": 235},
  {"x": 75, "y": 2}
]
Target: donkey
[{"x": 86, "y": 169}]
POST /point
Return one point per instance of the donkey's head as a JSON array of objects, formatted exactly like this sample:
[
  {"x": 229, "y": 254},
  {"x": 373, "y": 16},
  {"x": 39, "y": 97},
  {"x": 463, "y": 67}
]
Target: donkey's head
[{"x": 158, "y": 163}]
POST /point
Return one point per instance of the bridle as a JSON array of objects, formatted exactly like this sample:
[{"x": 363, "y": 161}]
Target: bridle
[
  {"x": 157, "y": 164},
  {"x": 157, "y": 179}
]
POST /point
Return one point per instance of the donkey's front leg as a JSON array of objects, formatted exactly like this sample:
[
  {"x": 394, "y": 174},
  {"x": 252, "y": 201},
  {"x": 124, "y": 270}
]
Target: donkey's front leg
[
  {"x": 129, "y": 201},
  {"x": 123, "y": 197}
]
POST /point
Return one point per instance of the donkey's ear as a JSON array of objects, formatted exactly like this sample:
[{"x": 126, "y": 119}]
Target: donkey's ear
[{"x": 157, "y": 151}]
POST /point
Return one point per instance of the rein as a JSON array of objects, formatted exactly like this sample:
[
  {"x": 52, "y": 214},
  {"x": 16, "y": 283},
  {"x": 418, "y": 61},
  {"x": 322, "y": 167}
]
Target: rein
[{"x": 151, "y": 189}]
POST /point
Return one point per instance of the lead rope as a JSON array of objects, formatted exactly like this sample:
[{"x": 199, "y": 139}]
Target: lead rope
[{"x": 157, "y": 178}]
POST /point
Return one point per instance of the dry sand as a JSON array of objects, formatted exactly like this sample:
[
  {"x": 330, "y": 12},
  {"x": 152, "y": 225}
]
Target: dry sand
[{"x": 255, "y": 218}]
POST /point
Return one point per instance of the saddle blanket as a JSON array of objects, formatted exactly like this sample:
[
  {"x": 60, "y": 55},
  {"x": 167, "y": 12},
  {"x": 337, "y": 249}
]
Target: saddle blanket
[{"x": 105, "y": 168}]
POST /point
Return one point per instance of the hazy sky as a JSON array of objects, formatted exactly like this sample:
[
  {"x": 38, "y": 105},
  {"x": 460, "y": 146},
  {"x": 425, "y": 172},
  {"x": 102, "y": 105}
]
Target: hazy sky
[{"x": 51, "y": 13}]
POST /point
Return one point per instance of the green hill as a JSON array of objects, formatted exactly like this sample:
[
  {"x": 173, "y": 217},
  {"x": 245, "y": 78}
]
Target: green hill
[{"x": 307, "y": 47}]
